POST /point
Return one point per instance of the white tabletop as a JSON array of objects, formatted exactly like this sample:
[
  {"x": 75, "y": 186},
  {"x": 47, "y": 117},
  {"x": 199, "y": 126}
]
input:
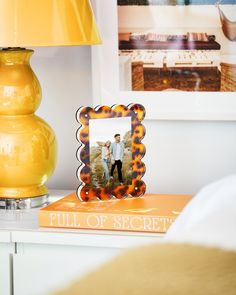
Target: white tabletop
[{"x": 22, "y": 226}]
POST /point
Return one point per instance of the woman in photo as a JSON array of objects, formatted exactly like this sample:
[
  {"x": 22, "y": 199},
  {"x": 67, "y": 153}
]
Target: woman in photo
[{"x": 105, "y": 158}]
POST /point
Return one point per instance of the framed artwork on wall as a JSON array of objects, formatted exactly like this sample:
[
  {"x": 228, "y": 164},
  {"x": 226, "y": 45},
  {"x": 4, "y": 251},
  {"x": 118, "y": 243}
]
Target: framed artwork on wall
[{"x": 175, "y": 57}]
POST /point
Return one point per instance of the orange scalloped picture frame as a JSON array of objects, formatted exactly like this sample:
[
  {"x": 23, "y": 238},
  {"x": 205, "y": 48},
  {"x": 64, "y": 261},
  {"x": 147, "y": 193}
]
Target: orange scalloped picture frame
[{"x": 136, "y": 188}]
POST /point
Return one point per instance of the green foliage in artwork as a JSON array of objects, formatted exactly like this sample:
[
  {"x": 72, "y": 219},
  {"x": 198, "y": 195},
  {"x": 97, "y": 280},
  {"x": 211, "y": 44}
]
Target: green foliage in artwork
[{"x": 128, "y": 140}]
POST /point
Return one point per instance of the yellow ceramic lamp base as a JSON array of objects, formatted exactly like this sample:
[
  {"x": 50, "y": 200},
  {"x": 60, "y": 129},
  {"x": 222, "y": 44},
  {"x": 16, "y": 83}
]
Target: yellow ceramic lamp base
[
  {"x": 22, "y": 192},
  {"x": 27, "y": 143}
]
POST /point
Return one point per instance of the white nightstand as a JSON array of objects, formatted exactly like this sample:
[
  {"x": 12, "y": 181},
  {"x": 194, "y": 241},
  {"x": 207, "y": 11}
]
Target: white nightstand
[{"x": 36, "y": 260}]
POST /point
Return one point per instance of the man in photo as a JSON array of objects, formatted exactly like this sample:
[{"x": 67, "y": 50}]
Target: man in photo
[{"x": 117, "y": 152}]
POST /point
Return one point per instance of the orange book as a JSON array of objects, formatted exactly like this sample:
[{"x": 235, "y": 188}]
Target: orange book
[{"x": 151, "y": 213}]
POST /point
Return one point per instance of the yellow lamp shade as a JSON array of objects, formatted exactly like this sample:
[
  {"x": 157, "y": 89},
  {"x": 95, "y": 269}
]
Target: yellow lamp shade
[{"x": 25, "y": 23}]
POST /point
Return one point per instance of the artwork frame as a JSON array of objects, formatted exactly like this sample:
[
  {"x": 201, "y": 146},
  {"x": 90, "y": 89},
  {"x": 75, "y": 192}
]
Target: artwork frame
[
  {"x": 176, "y": 105},
  {"x": 88, "y": 190}
]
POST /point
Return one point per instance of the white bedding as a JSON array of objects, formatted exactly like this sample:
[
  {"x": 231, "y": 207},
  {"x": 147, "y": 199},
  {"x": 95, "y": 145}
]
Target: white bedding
[{"x": 210, "y": 218}]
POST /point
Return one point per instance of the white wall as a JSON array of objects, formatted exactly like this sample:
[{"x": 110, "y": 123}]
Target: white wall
[
  {"x": 182, "y": 156},
  {"x": 65, "y": 77}
]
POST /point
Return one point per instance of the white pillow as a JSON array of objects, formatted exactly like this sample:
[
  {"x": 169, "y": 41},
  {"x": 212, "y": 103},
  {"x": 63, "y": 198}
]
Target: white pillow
[{"x": 210, "y": 218}]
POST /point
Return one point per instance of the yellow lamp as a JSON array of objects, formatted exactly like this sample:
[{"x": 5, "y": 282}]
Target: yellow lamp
[{"x": 28, "y": 146}]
